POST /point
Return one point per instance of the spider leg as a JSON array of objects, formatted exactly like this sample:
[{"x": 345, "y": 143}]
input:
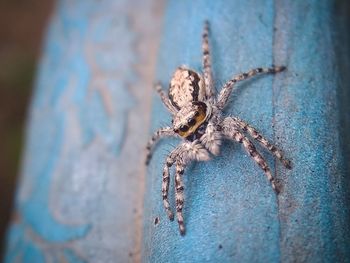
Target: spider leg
[
  {"x": 165, "y": 99},
  {"x": 182, "y": 155},
  {"x": 257, "y": 157},
  {"x": 206, "y": 62},
  {"x": 165, "y": 191},
  {"x": 227, "y": 88},
  {"x": 211, "y": 139},
  {"x": 179, "y": 195},
  {"x": 262, "y": 140},
  {"x": 190, "y": 151},
  {"x": 161, "y": 133},
  {"x": 170, "y": 160}
]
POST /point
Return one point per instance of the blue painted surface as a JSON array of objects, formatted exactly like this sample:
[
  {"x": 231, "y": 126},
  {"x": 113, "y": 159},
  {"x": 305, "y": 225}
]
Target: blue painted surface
[
  {"x": 79, "y": 197},
  {"x": 231, "y": 212},
  {"x": 76, "y": 201}
]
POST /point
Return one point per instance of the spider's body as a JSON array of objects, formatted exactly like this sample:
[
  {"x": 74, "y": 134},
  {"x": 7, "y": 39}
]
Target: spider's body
[
  {"x": 186, "y": 86},
  {"x": 197, "y": 119}
]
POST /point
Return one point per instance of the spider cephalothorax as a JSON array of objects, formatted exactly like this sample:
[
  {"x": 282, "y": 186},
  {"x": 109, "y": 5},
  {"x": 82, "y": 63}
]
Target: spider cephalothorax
[
  {"x": 190, "y": 118},
  {"x": 197, "y": 119}
]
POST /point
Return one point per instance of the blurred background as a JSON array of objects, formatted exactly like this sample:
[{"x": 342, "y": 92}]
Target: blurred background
[{"x": 22, "y": 27}]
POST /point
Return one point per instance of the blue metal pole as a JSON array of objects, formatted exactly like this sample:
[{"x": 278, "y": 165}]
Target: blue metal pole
[
  {"x": 231, "y": 212},
  {"x": 81, "y": 193}
]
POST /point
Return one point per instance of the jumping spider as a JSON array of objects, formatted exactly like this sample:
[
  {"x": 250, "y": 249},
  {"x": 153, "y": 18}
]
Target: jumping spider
[{"x": 197, "y": 119}]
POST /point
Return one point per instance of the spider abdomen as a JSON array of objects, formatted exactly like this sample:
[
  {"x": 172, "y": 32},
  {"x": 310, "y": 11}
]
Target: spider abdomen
[{"x": 186, "y": 86}]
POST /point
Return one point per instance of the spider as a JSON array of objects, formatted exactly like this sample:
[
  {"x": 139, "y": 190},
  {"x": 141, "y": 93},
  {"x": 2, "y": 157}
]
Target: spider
[{"x": 197, "y": 119}]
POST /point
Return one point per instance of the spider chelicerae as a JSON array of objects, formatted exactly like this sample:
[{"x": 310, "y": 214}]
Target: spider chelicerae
[{"x": 197, "y": 119}]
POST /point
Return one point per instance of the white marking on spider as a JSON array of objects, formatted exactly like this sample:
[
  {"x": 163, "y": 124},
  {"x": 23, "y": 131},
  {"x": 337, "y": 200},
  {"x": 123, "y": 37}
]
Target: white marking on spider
[{"x": 197, "y": 119}]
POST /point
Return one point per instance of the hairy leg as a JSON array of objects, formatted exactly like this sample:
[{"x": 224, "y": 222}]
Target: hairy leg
[
  {"x": 227, "y": 88},
  {"x": 250, "y": 148},
  {"x": 263, "y": 141},
  {"x": 159, "y": 134},
  {"x": 206, "y": 62},
  {"x": 165, "y": 99},
  {"x": 190, "y": 151},
  {"x": 185, "y": 152},
  {"x": 170, "y": 160},
  {"x": 179, "y": 195},
  {"x": 260, "y": 138},
  {"x": 182, "y": 155}
]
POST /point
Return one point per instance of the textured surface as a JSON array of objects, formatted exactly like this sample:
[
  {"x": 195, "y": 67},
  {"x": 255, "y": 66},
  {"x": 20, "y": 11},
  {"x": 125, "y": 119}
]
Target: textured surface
[
  {"x": 80, "y": 197},
  {"x": 231, "y": 212}
]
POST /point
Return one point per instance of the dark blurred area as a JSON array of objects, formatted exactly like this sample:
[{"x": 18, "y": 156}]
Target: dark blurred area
[{"x": 22, "y": 27}]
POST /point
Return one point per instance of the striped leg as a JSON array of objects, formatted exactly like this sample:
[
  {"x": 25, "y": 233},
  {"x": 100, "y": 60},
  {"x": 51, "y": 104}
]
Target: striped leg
[
  {"x": 263, "y": 141},
  {"x": 165, "y": 99},
  {"x": 250, "y": 148},
  {"x": 166, "y": 180},
  {"x": 161, "y": 133},
  {"x": 179, "y": 196},
  {"x": 165, "y": 188},
  {"x": 171, "y": 159},
  {"x": 227, "y": 88},
  {"x": 208, "y": 78},
  {"x": 182, "y": 155}
]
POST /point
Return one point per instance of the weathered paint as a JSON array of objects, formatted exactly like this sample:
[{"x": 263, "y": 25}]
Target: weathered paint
[
  {"x": 81, "y": 189},
  {"x": 231, "y": 212}
]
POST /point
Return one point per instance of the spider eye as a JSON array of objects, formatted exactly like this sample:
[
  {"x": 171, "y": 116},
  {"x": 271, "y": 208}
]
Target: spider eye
[
  {"x": 196, "y": 114},
  {"x": 184, "y": 128},
  {"x": 191, "y": 122}
]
